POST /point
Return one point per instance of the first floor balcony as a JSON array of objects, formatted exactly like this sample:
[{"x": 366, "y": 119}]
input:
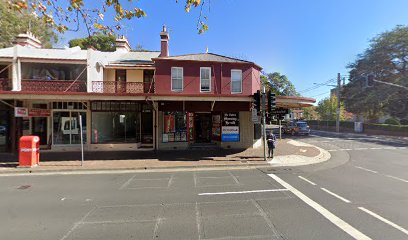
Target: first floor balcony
[
  {"x": 33, "y": 85},
  {"x": 5, "y": 84},
  {"x": 122, "y": 87}
]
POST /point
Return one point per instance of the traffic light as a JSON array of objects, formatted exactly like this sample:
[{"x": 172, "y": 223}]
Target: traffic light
[
  {"x": 257, "y": 100},
  {"x": 271, "y": 101}
]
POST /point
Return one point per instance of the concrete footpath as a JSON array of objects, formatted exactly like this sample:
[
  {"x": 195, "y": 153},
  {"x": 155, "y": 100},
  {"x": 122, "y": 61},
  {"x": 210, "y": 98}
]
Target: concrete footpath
[{"x": 288, "y": 153}]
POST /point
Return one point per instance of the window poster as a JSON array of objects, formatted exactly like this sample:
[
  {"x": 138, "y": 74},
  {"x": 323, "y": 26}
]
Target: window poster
[
  {"x": 169, "y": 124},
  {"x": 190, "y": 123},
  {"x": 216, "y": 126},
  {"x": 230, "y": 127}
]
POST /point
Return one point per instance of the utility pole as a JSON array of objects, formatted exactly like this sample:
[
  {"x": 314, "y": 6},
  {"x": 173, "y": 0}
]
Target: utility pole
[
  {"x": 338, "y": 103},
  {"x": 263, "y": 109}
]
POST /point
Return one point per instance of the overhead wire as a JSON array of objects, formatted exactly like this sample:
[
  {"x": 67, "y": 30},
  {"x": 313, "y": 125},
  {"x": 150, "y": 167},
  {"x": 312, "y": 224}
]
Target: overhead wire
[{"x": 323, "y": 84}]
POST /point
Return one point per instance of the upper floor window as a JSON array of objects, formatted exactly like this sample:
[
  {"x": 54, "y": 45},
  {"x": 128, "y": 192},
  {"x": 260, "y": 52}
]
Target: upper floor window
[
  {"x": 177, "y": 79},
  {"x": 236, "y": 81},
  {"x": 205, "y": 79},
  {"x": 120, "y": 75}
]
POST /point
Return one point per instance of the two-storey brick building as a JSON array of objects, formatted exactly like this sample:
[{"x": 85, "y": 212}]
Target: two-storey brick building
[{"x": 127, "y": 100}]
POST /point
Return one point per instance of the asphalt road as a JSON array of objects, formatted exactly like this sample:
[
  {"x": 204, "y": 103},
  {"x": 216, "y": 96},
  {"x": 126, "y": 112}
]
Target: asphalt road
[{"x": 360, "y": 193}]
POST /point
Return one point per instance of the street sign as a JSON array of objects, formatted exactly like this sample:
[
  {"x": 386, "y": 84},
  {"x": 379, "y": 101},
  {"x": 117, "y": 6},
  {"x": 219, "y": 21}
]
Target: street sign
[
  {"x": 280, "y": 111},
  {"x": 254, "y": 116}
]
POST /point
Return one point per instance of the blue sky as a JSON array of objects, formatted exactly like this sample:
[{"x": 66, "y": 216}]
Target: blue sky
[{"x": 307, "y": 40}]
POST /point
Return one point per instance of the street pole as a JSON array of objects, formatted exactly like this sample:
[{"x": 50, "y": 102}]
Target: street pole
[
  {"x": 338, "y": 104},
  {"x": 263, "y": 109},
  {"x": 82, "y": 140}
]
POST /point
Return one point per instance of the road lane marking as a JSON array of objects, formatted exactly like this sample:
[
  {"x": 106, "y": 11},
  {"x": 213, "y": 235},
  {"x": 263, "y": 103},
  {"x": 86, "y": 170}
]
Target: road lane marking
[
  {"x": 384, "y": 220},
  {"x": 307, "y": 180},
  {"x": 353, "y": 232},
  {"x": 127, "y": 182},
  {"x": 198, "y": 221},
  {"x": 335, "y": 195},
  {"x": 77, "y": 224},
  {"x": 397, "y": 178},
  {"x": 265, "y": 216},
  {"x": 235, "y": 178},
  {"x": 366, "y": 169},
  {"x": 252, "y": 191}
]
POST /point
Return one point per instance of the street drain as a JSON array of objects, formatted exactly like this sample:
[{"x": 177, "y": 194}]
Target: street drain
[{"x": 22, "y": 187}]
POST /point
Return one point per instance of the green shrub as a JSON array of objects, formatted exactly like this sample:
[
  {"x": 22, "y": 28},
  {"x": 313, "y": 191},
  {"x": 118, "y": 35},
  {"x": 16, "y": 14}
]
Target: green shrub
[{"x": 391, "y": 121}]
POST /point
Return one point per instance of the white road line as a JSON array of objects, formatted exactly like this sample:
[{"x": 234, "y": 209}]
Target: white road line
[
  {"x": 337, "y": 196},
  {"x": 384, "y": 220},
  {"x": 198, "y": 221},
  {"x": 79, "y": 223},
  {"x": 397, "y": 178},
  {"x": 366, "y": 169},
  {"x": 307, "y": 180},
  {"x": 127, "y": 182},
  {"x": 235, "y": 178},
  {"x": 240, "y": 192},
  {"x": 324, "y": 212}
]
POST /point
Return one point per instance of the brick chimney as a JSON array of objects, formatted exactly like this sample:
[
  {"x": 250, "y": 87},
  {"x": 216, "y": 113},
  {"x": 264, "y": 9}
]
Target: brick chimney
[
  {"x": 164, "y": 42},
  {"x": 122, "y": 44},
  {"x": 28, "y": 40}
]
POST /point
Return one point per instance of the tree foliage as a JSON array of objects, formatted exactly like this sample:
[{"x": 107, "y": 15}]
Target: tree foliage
[
  {"x": 387, "y": 59},
  {"x": 12, "y": 24},
  {"x": 68, "y": 15},
  {"x": 99, "y": 41},
  {"x": 326, "y": 108},
  {"x": 310, "y": 113},
  {"x": 279, "y": 84}
]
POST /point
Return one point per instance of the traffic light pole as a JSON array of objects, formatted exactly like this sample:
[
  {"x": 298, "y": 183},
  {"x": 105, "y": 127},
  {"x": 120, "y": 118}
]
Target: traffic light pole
[{"x": 263, "y": 109}]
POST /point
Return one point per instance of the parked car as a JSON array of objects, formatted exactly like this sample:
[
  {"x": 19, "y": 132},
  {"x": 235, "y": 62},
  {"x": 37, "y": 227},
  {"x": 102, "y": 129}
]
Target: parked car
[
  {"x": 295, "y": 128},
  {"x": 3, "y": 130}
]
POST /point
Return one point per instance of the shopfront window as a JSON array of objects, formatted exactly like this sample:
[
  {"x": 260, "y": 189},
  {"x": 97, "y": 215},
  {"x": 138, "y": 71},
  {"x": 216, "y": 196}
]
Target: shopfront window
[
  {"x": 175, "y": 127},
  {"x": 116, "y": 122},
  {"x": 66, "y": 127},
  {"x": 115, "y": 127}
]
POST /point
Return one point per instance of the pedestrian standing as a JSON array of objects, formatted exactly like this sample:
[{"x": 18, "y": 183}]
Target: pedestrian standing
[{"x": 271, "y": 140}]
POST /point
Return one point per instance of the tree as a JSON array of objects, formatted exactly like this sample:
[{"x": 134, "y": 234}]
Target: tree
[
  {"x": 12, "y": 24},
  {"x": 387, "y": 59},
  {"x": 67, "y": 15},
  {"x": 327, "y": 107},
  {"x": 279, "y": 84},
  {"x": 310, "y": 113},
  {"x": 98, "y": 41}
]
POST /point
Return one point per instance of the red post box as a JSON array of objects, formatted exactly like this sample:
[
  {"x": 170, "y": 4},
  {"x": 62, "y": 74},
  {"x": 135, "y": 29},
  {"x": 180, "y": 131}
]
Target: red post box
[{"x": 29, "y": 151}]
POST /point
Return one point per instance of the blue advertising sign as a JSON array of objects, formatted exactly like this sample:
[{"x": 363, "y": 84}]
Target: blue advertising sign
[{"x": 230, "y": 127}]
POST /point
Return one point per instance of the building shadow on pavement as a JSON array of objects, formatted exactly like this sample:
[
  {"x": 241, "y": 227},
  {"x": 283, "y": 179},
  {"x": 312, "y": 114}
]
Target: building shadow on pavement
[{"x": 169, "y": 155}]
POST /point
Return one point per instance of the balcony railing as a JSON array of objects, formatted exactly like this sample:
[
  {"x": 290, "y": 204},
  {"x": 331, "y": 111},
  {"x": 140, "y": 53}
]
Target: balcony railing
[
  {"x": 5, "y": 84},
  {"x": 30, "y": 85},
  {"x": 122, "y": 87}
]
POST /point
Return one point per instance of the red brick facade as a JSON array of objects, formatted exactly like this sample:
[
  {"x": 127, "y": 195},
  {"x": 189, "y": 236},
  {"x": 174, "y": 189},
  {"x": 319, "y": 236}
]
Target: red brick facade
[{"x": 220, "y": 77}]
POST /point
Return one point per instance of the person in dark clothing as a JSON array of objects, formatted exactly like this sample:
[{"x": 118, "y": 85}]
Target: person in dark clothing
[{"x": 271, "y": 140}]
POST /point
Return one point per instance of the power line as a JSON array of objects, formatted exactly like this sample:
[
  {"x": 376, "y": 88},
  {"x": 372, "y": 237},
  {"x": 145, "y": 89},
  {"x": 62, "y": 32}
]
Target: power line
[{"x": 318, "y": 86}]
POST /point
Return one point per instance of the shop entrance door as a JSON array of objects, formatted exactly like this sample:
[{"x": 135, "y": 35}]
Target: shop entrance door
[
  {"x": 39, "y": 128},
  {"x": 203, "y": 127},
  {"x": 147, "y": 127},
  {"x": 5, "y": 130}
]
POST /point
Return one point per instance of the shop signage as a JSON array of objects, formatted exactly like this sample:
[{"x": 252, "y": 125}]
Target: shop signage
[
  {"x": 39, "y": 112},
  {"x": 254, "y": 116},
  {"x": 230, "y": 127},
  {"x": 280, "y": 111},
  {"x": 20, "y": 112}
]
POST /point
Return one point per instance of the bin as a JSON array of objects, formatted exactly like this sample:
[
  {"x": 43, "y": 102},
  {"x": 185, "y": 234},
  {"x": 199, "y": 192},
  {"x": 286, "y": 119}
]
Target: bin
[{"x": 29, "y": 151}]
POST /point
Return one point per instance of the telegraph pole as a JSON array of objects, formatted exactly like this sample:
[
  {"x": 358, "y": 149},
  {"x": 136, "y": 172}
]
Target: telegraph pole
[{"x": 338, "y": 103}]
